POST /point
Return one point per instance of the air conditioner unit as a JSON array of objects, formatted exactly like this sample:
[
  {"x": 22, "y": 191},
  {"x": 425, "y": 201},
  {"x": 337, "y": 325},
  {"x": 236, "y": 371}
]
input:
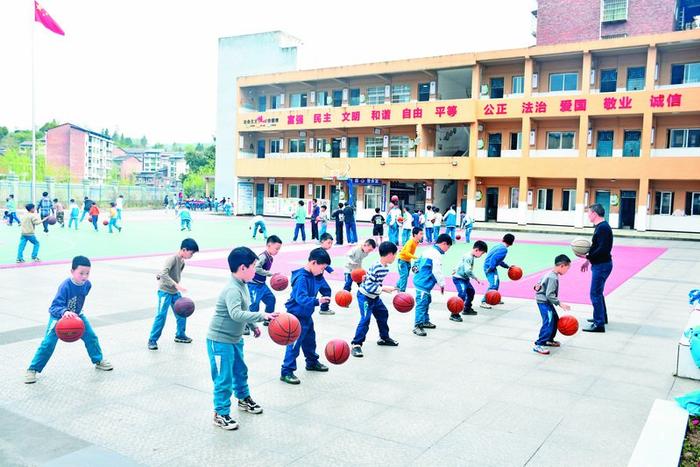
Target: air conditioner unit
[
  {"x": 535, "y": 80},
  {"x": 480, "y": 127},
  {"x": 362, "y": 99},
  {"x": 484, "y": 89},
  {"x": 480, "y": 143},
  {"x": 592, "y": 75}
]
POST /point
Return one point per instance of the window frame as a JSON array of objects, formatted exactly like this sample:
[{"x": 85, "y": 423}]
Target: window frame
[
  {"x": 274, "y": 144},
  {"x": 400, "y": 93},
  {"x": 612, "y": 11},
  {"x": 546, "y": 201},
  {"x": 605, "y": 83},
  {"x": 597, "y": 145},
  {"x": 354, "y": 96},
  {"x": 686, "y": 72},
  {"x": 625, "y": 141},
  {"x": 561, "y": 139},
  {"x": 372, "y": 196},
  {"x": 692, "y": 203},
  {"x": 398, "y": 146},
  {"x": 571, "y": 206},
  {"x": 514, "y": 197},
  {"x": 374, "y": 143},
  {"x": 659, "y": 203},
  {"x": 297, "y": 143},
  {"x": 274, "y": 190},
  {"x": 320, "y": 194},
  {"x": 632, "y": 80},
  {"x": 521, "y": 84},
  {"x": 686, "y": 137},
  {"x": 492, "y": 88},
  {"x": 563, "y": 75},
  {"x": 375, "y": 95},
  {"x": 494, "y": 144},
  {"x": 301, "y": 97}
]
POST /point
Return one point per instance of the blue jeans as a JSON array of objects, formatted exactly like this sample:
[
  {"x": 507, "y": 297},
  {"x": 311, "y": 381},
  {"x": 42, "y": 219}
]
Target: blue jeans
[
  {"x": 351, "y": 229},
  {"x": 23, "y": 239},
  {"x": 82, "y": 218},
  {"x": 550, "y": 318},
  {"x": 71, "y": 221},
  {"x": 404, "y": 271},
  {"x": 260, "y": 226},
  {"x": 47, "y": 346},
  {"x": 322, "y": 229},
  {"x": 494, "y": 281},
  {"x": 423, "y": 300},
  {"x": 600, "y": 274},
  {"x": 468, "y": 233},
  {"x": 325, "y": 291},
  {"x": 230, "y": 375},
  {"x": 299, "y": 228},
  {"x": 119, "y": 214},
  {"x": 94, "y": 222},
  {"x": 394, "y": 234},
  {"x": 405, "y": 235},
  {"x": 451, "y": 232},
  {"x": 348, "y": 282},
  {"x": 113, "y": 223},
  {"x": 227, "y": 210},
  {"x": 465, "y": 291},
  {"x": 185, "y": 224},
  {"x": 261, "y": 293},
  {"x": 369, "y": 307},
  {"x": 13, "y": 217},
  {"x": 306, "y": 342},
  {"x": 429, "y": 234},
  {"x": 167, "y": 300}
]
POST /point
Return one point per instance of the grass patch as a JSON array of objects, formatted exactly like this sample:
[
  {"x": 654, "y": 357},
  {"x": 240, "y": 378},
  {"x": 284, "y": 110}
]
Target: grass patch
[{"x": 690, "y": 455}]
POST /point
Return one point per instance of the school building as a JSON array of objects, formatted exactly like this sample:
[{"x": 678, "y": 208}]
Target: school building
[{"x": 526, "y": 136}]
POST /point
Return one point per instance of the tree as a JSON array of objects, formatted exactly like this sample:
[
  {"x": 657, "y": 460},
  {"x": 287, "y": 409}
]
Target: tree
[
  {"x": 48, "y": 125},
  {"x": 144, "y": 141},
  {"x": 3, "y": 131}
]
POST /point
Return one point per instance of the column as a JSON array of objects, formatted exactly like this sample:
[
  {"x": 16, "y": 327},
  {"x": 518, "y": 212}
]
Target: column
[
  {"x": 525, "y": 129},
  {"x": 527, "y": 77},
  {"x": 586, "y": 72},
  {"x": 476, "y": 81},
  {"x": 650, "y": 76},
  {"x": 580, "y": 196},
  {"x": 640, "y": 220},
  {"x": 522, "y": 200},
  {"x": 421, "y": 146},
  {"x": 471, "y": 197},
  {"x": 583, "y": 136},
  {"x": 647, "y": 126}
]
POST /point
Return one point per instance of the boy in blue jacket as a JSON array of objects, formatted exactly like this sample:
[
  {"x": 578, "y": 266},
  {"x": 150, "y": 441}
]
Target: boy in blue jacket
[
  {"x": 428, "y": 273},
  {"x": 326, "y": 242},
  {"x": 496, "y": 258},
  {"x": 451, "y": 222},
  {"x": 306, "y": 283},
  {"x": 69, "y": 301}
]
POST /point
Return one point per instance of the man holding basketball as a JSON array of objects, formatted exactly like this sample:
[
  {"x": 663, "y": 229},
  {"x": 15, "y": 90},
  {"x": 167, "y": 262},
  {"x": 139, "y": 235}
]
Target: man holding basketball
[{"x": 600, "y": 261}]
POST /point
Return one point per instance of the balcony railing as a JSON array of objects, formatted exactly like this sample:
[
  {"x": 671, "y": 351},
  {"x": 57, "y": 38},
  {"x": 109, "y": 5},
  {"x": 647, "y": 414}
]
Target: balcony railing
[{"x": 285, "y": 155}]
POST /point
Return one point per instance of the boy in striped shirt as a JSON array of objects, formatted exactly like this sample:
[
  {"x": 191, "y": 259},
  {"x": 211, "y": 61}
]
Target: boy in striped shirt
[{"x": 368, "y": 298}]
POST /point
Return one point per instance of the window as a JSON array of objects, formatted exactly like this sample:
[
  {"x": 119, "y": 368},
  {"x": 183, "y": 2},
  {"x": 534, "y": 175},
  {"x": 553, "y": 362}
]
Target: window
[
  {"x": 614, "y": 10},
  {"x": 663, "y": 203},
  {"x": 297, "y": 145},
  {"x": 400, "y": 93},
  {"x": 568, "y": 200},
  {"x": 608, "y": 80},
  {"x": 604, "y": 148},
  {"x": 375, "y": 95},
  {"x": 296, "y": 191},
  {"x": 560, "y": 139},
  {"x": 516, "y": 141},
  {"x": 496, "y": 88},
  {"x": 320, "y": 191},
  {"x": 684, "y": 138},
  {"x": 274, "y": 102},
  {"x": 262, "y": 103},
  {"x": 514, "y": 196},
  {"x": 563, "y": 82},
  {"x": 544, "y": 198},
  {"x": 635, "y": 78},
  {"x": 297, "y": 100},
  {"x": 631, "y": 145},
  {"x": 354, "y": 97},
  {"x": 424, "y": 92},
  {"x": 685, "y": 73},
  {"x": 322, "y": 98},
  {"x": 337, "y": 97},
  {"x": 274, "y": 190},
  {"x": 518, "y": 85},
  {"x": 321, "y": 145},
  {"x": 373, "y": 196},
  {"x": 494, "y": 149},
  {"x": 274, "y": 145},
  {"x": 374, "y": 146},
  {"x": 398, "y": 146},
  {"x": 692, "y": 203}
]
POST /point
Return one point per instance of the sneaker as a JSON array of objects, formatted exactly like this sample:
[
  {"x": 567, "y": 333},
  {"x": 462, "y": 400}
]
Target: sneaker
[
  {"x": 357, "y": 351},
  {"x": 469, "y": 311},
  {"x": 104, "y": 365},
  {"x": 290, "y": 379},
  {"x": 36, "y": 260},
  {"x": 183, "y": 340},
  {"x": 540, "y": 350},
  {"x": 318, "y": 366},
  {"x": 552, "y": 344},
  {"x": 418, "y": 331},
  {"x": 388, "y": 342},
  {"x": 249, "y": 405},
  {"x": 326, "y": 312},
  {"x": 225, "y": 422},
  {"x": 501, "y": 302},
  {"x": 246, "y": 331},
  {"x": 266, "y": 323},
  {"x": 456, "y": 318},
  {"x": 152, "y": 345},
  {"x": 20, "y": 261},
  {"x": 428, "y": 325},
  {"x": 485, "y": 305},
  {"x": 30, "y": 377}
]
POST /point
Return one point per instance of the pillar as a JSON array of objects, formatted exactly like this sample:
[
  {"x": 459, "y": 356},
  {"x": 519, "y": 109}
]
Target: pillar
[
  {"x": 522, "y": 200},
  {"x": 640, "y": 220},
  {"x": 649, "y": 77},
  {"x": 476, "y": 81},
  {"x": 586, "y": 72},
  {"x": 580, "y": 207},
  {"x": 421, "y": 146},
  {"x": 527, "y": 77},
  {"x": 525, "y": 128},
  {"x": 647, "y": 125},
  {"x": 583, "y": 136}
]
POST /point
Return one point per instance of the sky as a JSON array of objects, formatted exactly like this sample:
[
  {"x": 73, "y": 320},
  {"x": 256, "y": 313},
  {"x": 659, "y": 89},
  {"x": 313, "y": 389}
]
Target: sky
[{"x": 148, "y": 67}]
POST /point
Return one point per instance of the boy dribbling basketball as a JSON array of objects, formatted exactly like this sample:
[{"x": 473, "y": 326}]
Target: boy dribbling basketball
[{"x": 547, "y": 297}]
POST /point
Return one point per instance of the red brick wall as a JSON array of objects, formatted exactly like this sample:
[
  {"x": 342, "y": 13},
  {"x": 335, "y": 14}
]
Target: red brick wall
[
  {"x": 560, "y": 21},
  {"x": 57, "y": 146},
  {"x": 78, "y": 154},
  {"x": 130, "y": 166}
]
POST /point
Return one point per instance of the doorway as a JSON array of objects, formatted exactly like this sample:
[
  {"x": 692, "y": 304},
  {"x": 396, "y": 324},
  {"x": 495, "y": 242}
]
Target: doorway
[
  {"x": 603, "y": 198},
  {"x": 334, "y": 199},
  {"x": 353, "y": 146},
  {"x": 491, "y": 204},
  {"x": 628, "y": 204},
  {"x": 335, "y": 148},
  {"x": 261, "y": 149},
  {"x": 259, "y": 198}
]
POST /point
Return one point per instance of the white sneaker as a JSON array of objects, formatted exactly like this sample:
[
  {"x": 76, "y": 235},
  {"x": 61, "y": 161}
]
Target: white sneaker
[
  {"x": 30, "y": 377},
  {"x": 485, "y": 305},
  {"x": 104, "y": 365}
]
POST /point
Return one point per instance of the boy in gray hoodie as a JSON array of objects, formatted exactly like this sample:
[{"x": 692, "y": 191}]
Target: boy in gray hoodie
[{"x": 547, "y": 296}]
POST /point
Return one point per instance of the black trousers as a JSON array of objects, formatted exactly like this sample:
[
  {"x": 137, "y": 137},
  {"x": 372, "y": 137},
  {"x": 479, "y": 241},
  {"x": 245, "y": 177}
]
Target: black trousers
[
  {"x": 339, "y": 233},
  {"x": 314, "y": 230}
]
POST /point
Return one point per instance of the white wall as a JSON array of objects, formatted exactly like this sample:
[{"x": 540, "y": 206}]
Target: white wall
[
  {"x": 541, "y": 216},
  {"x": 674, "y": 223}
]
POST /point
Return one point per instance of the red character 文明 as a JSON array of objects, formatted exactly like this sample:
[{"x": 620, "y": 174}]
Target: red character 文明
[
  {"x": 355, "y": 117},
  {"x": 346, "y": 117}
]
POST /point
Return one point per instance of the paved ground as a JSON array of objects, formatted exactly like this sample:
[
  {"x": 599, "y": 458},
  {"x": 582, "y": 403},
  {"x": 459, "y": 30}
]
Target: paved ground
[{"x": 470, "y": 393}]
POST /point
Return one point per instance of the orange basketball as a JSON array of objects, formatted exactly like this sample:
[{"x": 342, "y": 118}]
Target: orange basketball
[
  {"x": 70, "y": 329},
  {"x": 493, "y": 297},
  {"x": 403, "y": 302},
  {"x": 105, "y": 222},
  {"x": 458, "y": 237},
  {"x": 337, "y": 351},
  {"x": 394, "y": 199},
  {"x": 567, "y": 325},
  {"x": 279, "y": 282},
  {"x": 343, "y": 298},
  {"x": 284, "y": 329},
  {"x": 515, "y": 273},
  {"x": 399, "y": 220},
  {"x": 357, "y": 275},
  {"x": 183, "y": 307},
  {"x": 455, "y": 305}
]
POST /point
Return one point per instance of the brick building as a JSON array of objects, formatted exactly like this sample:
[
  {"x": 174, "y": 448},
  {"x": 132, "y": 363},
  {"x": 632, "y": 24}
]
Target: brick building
[{"x": 87, "y": 154}]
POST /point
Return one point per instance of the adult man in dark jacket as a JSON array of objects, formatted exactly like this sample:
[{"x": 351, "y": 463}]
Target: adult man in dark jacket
[
  {"x": 600, "y": 261},
  {"x": 339, "y": 217},
  {"x": 315, "y": 211},
  {"x": 350, "y": 226}
]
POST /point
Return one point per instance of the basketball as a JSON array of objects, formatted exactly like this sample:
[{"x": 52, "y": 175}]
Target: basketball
[
  {"x": 357, "y": 275},
  {"x": 493, "y": 297},
  {"x": 70, "y": 329},
  {"x": 279, "y": 282},
  {"x": 567, "y": 325},
  {"x": 183, "y": 307},
  {"x": 580, "y": 246},
  {"x": 105, "y": 222},
  {"x": 284, "y": 329},
  {"x": 260, "y": 230},
  {"x": 343, "y": 298},
  {"x": 403, "y": 302},
  {"x": 394, "y": 199},
  {"x": 399, "y": 219},
  {"x": 337, "y": 351},
  {"x": 458, "y": 237},
  {"x": 51, "y": 220},
  {"x": 515, "y": 273},
  {"x": 455, "y": 305}
]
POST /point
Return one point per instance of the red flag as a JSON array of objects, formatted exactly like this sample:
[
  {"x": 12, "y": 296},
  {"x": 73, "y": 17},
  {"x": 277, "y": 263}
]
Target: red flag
[{"x": 41, "y": 16}]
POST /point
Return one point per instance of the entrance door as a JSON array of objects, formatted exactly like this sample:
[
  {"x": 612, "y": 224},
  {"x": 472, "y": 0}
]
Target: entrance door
[
  {"x": 334, "y": 199},
  {"x": 603, "y": 198},
  {"x": 628, "y": 204},
  {"x": 259, "y": 198},
  {"x": 335, "y": 147},
  {"x": 261, "y": 149},
  {"x": 352, "y": 146},
  {"x": 491, "y": 204}
]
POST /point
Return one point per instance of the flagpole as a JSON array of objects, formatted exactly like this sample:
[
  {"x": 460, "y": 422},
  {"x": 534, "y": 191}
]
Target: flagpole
[{"x": 33, "y": 116}]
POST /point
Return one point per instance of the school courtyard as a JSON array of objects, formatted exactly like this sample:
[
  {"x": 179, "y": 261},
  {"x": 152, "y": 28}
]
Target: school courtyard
[{"x": 470, "y": 393}]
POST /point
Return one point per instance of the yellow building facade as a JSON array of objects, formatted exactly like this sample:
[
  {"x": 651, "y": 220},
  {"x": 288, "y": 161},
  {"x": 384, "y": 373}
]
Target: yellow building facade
[{"x": 527, "y": 136}]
